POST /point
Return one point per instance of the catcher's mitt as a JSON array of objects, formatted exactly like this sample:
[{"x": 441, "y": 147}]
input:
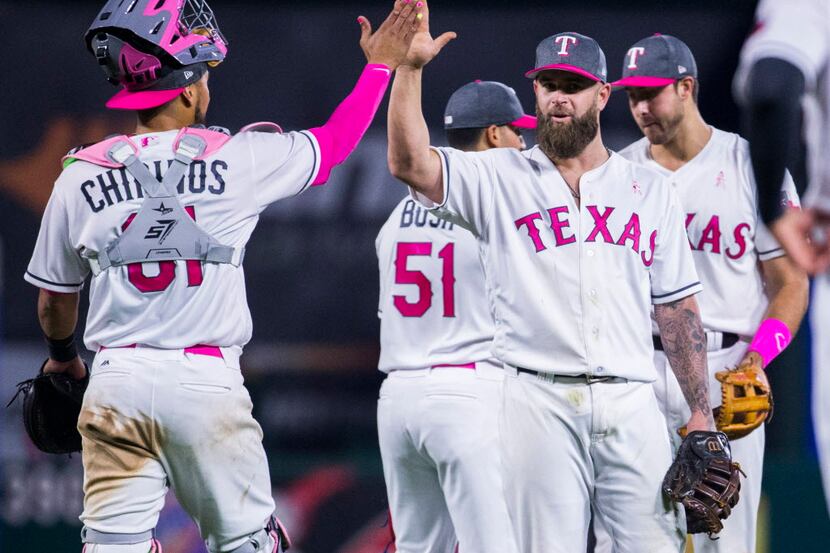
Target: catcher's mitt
[
  {"x": 705, "y": 480},
  {"x": 51, "y": 406},
  {"x": 746, "y": 400}
]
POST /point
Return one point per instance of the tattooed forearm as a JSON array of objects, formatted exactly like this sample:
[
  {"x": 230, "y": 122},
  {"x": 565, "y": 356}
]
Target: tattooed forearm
[{"x": 684, "y": 342}]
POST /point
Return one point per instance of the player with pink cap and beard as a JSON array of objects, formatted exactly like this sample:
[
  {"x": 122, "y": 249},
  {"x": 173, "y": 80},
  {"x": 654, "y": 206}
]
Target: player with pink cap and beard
[{"x": 160, "y": 219}]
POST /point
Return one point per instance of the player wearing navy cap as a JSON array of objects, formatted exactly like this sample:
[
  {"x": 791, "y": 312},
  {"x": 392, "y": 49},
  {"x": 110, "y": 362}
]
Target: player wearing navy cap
[
  {"x": 438, "y": 408},
  {"x": 569, "y": 238},
  {"x": 751, "y": 290}
]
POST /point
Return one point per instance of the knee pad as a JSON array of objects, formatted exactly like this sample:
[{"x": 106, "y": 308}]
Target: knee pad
[
  {"x": 271, "y": 539},
  {"x": 106, "y": 542}
]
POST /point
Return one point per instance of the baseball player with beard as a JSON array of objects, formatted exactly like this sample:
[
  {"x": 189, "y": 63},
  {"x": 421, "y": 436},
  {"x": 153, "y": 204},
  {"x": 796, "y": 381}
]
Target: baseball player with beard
[
  {"x": 751, "y": 289},
  {"x": 577, "y": 245},
  {"x": 161, "y": 218},
  {"x": 783, "y": 83},
  {"x": 438, "y": 408}
]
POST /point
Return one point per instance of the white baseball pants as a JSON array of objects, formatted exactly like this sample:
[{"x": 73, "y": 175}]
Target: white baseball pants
[
  {"x": 153, "y": 418},
  {"x": 568, "y": 445},
  {"x": 738, "y": 534},
  {"x": 820, "y": 325},
  {"x": 438, "y": 434}
]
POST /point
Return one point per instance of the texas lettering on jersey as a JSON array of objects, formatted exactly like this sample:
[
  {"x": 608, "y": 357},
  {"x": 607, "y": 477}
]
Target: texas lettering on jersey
[
  {"x": 708, "y": 237},
  {"x": 560, "y": 225},
  {"x": 117, "y": 185}
]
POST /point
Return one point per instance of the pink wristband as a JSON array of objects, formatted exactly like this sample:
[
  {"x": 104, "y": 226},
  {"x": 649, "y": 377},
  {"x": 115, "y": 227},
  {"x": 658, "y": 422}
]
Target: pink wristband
[
  {"x": 340, "y": 135},
  {"x": 771, "y": 338}
]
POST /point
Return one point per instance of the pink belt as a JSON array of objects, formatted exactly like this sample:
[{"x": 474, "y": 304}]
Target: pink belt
[
  {"x": 464, "y": 366},
  {"x": 198, "y": 349}
]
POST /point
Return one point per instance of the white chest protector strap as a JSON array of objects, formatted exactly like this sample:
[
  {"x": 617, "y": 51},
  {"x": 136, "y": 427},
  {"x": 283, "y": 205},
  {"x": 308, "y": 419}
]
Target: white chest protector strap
[{"x": 162, "y": 230}]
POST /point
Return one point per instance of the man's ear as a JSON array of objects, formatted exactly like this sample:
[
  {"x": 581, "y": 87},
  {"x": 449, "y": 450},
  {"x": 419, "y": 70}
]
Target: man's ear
[
  {"x": 491, "y": 136},
  {"x": 188, "y": 96}
]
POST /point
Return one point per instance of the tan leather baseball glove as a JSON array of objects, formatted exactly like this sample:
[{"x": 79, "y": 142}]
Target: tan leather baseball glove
[{"x": 746, "y": 399}]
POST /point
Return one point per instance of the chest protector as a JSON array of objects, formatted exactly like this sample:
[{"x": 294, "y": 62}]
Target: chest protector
[{"x": 162, "y": 230}]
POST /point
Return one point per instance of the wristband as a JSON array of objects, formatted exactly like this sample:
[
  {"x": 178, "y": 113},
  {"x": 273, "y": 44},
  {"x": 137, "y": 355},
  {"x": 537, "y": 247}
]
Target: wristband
[
  {"x": 771, "y": 338},
  {"x": 62, "y": 350}
]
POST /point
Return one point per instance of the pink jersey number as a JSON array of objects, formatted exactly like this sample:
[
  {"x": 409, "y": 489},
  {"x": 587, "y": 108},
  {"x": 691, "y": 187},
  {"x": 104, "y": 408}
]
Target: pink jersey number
[
  {"x": 407, "y": 276},
  {"x": 167, "y": 269}
]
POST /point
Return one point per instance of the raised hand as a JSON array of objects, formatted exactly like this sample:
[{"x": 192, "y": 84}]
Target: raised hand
[
  {"x": 391, "y": 42},
  {"x": 424, "y": 48}
]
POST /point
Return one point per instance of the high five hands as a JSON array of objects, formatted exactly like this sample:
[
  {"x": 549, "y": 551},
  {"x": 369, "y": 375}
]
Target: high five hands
[{"x": 404, "y": 38}]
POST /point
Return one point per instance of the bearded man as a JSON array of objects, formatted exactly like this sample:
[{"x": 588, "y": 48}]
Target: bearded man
[{"x": 578, "y": 244}]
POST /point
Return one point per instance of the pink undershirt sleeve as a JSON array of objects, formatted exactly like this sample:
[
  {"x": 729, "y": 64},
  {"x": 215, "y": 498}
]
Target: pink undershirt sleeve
[{"x": 342, "y": 132}]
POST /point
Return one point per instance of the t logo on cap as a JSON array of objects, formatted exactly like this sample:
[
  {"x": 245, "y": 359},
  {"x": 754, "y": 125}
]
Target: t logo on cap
[
  {"x": 566, "y": 42},
  {"x": 633, "y": 54}
]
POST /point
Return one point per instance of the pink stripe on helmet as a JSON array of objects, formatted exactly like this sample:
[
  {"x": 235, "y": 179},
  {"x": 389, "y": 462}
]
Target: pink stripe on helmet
[
  {"x": 563, "y": 67},
  {"x": 172, "y": 7},
  {"x": 642, "y": 81},
  {"x": 142, "y": 99},
  {"x": 525, "y": 122}
]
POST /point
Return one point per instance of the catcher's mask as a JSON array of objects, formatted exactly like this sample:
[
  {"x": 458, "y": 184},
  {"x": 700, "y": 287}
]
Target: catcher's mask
[{"x": 154, "y": 48}]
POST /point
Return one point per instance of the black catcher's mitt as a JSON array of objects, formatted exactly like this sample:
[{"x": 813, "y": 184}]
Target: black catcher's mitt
[
  {"x": 705, "y": 480},
  {"x": 51, "y": 406}
]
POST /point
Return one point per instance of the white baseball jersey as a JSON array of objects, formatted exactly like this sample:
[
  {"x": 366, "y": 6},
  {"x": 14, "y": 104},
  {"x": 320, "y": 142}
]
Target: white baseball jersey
[
  {"x": 433, "y": 307},
  {"x": 168, "y": 304},
  {"x": 798, "y": 31},
  {"x": 571, "y": 286},
  {"x": 717, "y": 191}
]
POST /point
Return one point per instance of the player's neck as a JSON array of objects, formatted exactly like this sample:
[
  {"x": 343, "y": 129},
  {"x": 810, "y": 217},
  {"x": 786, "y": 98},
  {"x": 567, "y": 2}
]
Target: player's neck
[
  {"x": 164, "y": 121},
  {"x": 594, "y": 155},
  {"x": 571, "y": 169},
  {"x": 689, "y": 141}
]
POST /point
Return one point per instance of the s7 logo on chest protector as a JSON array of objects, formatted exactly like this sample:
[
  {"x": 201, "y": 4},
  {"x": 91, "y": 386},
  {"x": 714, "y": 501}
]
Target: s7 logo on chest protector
[{"x": 161, "y": 230}]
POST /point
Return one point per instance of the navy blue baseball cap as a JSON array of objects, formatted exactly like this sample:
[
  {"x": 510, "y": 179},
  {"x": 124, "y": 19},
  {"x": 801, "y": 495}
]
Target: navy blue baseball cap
[
  {"x": 480, "y": 104},
  {"x": 655, "y": 61},
  {"x": 571, "y": 52}
]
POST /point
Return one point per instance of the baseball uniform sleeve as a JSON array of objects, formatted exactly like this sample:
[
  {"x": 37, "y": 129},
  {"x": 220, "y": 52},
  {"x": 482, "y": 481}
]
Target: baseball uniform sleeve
[
  {"x": 284, "y": 165},
  {"x": 469, "y": 188},
  {"x": 673, "y": 274},
  {"x": 55, "y": 264},
  {"x": 794, "y": 31},
  {"x": 765, "y": 243}
]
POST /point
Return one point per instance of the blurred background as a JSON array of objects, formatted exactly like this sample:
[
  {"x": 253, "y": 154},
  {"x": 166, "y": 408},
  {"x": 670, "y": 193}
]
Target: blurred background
[{"x": 311, "y": 268}]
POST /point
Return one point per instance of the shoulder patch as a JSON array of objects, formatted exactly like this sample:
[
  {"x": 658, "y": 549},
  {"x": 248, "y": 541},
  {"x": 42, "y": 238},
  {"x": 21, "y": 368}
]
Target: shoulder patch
[{"x": 69, "y": 158}]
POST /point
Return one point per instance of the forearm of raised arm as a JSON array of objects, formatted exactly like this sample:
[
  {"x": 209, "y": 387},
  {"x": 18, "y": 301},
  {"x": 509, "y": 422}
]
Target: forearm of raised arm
[
  {"x": 410, "y": 157},
  {"x": 684, "y": 343},
  {"x": 57, "y": 313},
  {"x": 788, "y": 290}
]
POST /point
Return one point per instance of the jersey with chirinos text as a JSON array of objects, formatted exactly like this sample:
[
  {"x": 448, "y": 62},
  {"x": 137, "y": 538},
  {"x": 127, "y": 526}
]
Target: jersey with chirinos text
[
  {"x": 168, "y": 304},
  {"x": 728, "y": 239},
  {"x": 571, "y": 285},
  {"x": 434, "y": 307}
]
